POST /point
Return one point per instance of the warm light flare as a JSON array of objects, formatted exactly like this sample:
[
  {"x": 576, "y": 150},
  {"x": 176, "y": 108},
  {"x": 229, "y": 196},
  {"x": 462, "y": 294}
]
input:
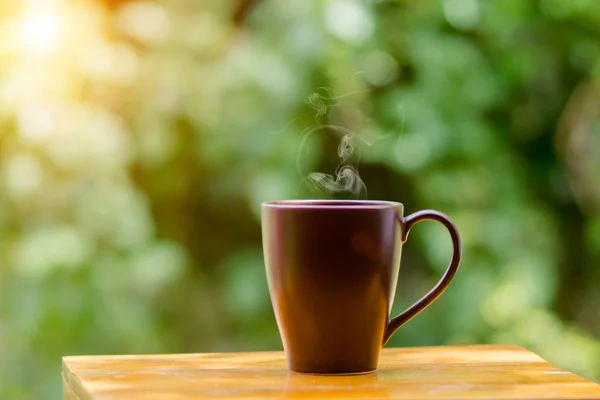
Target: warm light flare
[{"x": 39, "y": 32}]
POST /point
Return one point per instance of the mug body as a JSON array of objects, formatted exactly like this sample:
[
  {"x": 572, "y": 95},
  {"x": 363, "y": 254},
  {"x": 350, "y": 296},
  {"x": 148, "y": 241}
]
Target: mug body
[{"x": 332, "y": 268}]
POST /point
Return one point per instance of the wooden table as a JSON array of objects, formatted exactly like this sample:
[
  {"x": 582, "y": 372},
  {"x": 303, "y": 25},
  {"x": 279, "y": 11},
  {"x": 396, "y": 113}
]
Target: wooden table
[{"x": 469, "y": 372}]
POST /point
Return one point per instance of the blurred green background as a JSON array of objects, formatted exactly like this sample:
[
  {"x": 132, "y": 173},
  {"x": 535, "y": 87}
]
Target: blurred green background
[{"x": 138, "y": 138}]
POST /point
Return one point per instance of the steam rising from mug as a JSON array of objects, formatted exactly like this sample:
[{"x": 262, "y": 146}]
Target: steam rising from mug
[{"x": 346, "y": 178}]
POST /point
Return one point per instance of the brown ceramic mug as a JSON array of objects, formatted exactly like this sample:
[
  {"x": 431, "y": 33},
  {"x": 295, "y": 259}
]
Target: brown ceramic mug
[{"x": 332, "y": 268}]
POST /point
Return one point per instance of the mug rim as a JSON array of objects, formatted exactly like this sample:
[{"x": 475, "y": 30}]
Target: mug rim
[{"x": 331, "y": 204}]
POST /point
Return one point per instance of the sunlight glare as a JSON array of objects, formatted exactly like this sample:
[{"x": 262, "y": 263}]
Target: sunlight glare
[{"x": 40, "y": 32}]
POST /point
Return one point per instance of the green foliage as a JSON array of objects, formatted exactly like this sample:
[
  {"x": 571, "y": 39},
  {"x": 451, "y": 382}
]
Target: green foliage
[{"x": 138, "y": 142}]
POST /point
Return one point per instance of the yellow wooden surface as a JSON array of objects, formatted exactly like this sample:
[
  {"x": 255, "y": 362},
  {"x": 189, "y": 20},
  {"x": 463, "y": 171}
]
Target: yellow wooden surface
[{"x": 469, "y": 372}]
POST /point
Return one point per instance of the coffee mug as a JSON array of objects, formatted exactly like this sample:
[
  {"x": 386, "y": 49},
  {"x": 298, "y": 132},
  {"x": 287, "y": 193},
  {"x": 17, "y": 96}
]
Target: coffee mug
[{"x": 332, "y": 268}]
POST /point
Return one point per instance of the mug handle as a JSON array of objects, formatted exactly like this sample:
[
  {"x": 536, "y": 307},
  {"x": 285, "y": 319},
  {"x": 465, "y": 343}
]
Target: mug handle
[{"x": 407, "y": 223}]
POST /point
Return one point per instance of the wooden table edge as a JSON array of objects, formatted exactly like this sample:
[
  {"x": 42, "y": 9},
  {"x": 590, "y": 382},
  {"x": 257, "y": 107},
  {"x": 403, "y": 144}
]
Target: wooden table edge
[
  {"x": 74, "y": 388},
  {"x": 70, "y": 358}
]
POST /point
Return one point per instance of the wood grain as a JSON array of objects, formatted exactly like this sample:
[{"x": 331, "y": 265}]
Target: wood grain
[{"x": 468, "y": 372}]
